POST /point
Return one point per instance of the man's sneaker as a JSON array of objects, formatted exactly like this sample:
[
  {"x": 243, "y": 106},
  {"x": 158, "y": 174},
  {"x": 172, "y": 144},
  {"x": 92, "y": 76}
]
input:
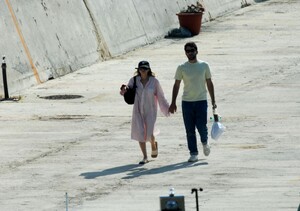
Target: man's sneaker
[
  {"x": 206, "y": 149},
  {"x": 193, "y": 158}
]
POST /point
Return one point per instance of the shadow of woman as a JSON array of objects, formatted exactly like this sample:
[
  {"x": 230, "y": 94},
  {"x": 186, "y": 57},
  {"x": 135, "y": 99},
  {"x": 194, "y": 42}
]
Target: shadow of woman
[
  {"x": 159, "y": 170},
  {"x": 111, "y": 171},
  {"x": 136, "y": 170}
]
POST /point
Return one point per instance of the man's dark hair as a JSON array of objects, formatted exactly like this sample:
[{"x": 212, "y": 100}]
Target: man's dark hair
[{"x": 191, "y": 45}]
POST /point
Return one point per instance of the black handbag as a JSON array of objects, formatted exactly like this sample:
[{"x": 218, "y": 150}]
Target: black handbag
[{"x": 130, "y": 93}]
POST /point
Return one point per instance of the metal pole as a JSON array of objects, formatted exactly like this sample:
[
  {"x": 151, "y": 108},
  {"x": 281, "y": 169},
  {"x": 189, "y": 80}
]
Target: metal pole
[
  {"x": 196, "y": 195},
  {"x": 6, "y": 96},
  {"x": 66, "y": 201}
]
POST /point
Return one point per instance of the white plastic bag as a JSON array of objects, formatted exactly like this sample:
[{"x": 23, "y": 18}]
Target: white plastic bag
[{"x": 216, "y": 130}]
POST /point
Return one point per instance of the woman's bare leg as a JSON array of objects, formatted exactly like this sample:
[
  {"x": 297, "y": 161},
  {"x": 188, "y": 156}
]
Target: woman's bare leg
[
  {"x": 143, "y": 148},
  {"x": 154, "y": 148},
  {"x": 153, "y": 145}
]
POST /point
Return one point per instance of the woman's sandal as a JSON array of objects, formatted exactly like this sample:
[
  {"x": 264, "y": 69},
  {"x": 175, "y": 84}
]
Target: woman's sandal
[
  {"x": 154, "y": 153},
  {"x": 144, "y": 161}
]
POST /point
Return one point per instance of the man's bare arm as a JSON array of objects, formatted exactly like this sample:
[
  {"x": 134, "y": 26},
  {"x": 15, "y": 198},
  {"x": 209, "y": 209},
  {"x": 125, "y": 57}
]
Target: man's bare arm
[
  {"x": 176, "y": 86},
  {"x": 210, "y": 87}
]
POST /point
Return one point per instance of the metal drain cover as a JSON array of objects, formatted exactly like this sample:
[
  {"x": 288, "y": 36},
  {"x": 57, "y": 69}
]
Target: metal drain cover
[{"x": 61, "y": 97}]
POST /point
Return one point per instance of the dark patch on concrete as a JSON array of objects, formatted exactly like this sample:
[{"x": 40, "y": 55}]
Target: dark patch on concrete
[{"x": 61, "y": 97}]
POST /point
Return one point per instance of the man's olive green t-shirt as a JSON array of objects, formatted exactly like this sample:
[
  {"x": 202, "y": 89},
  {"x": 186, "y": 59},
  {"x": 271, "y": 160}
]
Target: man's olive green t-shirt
[{"x": 194, "y": 77}]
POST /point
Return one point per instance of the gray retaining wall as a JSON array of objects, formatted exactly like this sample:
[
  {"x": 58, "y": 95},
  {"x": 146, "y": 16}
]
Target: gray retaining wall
[{"x": 45, "y": 39}]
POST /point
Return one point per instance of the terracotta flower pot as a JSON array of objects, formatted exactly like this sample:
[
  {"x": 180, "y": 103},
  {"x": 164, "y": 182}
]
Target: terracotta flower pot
[{"x": 190, "y": 21}]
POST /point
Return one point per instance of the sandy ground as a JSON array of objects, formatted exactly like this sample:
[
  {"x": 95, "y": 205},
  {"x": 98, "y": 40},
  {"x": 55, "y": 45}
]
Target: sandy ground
[{"x": 82, "y": 146}]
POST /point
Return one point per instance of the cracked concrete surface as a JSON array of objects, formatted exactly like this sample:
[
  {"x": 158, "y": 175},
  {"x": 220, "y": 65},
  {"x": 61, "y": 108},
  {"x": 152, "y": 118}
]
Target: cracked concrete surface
[{"x": 82, "y": 146}]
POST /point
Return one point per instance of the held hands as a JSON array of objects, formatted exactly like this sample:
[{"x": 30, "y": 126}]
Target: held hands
[{"x": 172, "y": 108}]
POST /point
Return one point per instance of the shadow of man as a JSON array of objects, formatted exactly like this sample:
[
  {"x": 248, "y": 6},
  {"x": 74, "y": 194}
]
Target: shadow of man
[{"x": 136, "y": 170}]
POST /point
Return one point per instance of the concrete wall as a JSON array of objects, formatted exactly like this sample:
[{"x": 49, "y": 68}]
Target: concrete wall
[{"x": 44, "y": 39}]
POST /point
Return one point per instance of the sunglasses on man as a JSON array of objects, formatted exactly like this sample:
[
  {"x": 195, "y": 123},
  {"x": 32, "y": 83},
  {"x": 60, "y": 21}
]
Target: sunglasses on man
[{"x": 190, "y": 50}]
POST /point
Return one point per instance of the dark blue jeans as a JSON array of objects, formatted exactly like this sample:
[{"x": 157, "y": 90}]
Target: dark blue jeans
[{"x": 195, "y": 116}]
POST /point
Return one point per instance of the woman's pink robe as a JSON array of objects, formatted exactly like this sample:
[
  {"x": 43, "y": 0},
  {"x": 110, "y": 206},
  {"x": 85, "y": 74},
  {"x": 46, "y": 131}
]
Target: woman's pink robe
[{"x": 145, "y": 108}]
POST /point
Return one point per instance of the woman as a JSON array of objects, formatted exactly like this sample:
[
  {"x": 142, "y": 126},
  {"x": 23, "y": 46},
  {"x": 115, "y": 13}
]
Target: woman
[{"x": 148, "y": 94}]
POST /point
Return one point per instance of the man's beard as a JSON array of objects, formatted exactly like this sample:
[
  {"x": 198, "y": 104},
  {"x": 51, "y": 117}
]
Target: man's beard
[{"x": 192, "y": 57}]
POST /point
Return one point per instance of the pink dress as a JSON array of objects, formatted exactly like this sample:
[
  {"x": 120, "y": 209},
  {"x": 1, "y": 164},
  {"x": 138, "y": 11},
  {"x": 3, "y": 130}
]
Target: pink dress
[{"x": 145, "y": 108}]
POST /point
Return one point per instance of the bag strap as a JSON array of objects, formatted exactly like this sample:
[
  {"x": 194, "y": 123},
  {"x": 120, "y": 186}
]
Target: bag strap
[{"x": 134, "y": 83}]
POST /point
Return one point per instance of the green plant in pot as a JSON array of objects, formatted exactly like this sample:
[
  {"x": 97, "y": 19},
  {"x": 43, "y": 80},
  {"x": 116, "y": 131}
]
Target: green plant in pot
[{"x": 191, "y": 17}]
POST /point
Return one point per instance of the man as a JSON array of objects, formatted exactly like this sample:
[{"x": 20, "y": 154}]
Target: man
[{"x": 196, "y": 77}]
